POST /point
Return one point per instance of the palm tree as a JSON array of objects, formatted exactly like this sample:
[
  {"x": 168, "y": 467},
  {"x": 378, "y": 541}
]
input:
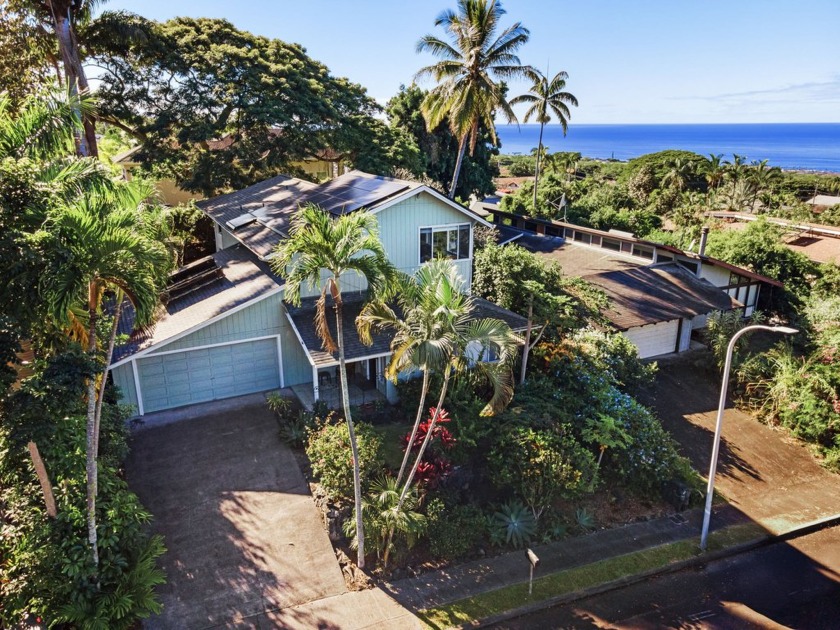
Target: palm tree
[
  {"x": 346, "y": 245},
  {"x": 715, "y": 168},
  {"x": 680, "y": 171},
  {"x": 436, "y": 333},
  {"x": 420, "y": 340},
  {"x": 546, "y": 97},
  {"x": 467, "y": 94},
  {"x": 763, "y": 178},
  {"x": 101, "y": 249}
]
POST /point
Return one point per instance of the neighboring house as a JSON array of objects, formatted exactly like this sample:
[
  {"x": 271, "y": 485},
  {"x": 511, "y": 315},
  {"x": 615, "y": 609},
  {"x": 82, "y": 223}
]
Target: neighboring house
[
  {"x": 658, "y": 294},
  {"x": 819, "y": 242},
  {"x": 327, "y": 165},
  {"x": 226, "y": 330}
]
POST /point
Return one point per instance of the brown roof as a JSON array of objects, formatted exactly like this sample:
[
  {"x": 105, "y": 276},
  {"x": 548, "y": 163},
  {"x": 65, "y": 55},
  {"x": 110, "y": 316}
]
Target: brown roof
[
  {"x": 576, "y": 260},
  {"x": 821, "y": 250},
  {"x": 659, "y": 293}
]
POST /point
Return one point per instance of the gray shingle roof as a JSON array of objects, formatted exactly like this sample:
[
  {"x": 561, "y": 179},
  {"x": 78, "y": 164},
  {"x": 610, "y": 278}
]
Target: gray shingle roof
[
  {"x": 244, "y": 279},
  {"x": 660, "y": 293},
  {"x": 303, "y": 316}
]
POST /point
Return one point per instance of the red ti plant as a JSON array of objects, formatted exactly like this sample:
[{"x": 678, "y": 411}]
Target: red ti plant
[{"x": 434, "y": 467}]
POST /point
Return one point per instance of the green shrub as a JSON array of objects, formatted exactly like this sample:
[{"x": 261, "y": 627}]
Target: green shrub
[
  {"x": 618, "y": 355},
  {"x": 540, "y": 467},
  {"x": 651, "y": 459},
  {"x": 328, "y": 450},
  {"x": 47, "y": 567},
  {"x": 454, "y": 531}
]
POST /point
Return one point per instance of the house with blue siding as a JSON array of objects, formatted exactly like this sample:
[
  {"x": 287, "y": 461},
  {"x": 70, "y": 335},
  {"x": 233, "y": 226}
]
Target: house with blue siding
[{"x": 227, "y": 332}]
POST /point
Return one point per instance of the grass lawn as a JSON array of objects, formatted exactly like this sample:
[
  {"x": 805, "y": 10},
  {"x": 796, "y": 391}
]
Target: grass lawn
[
  {"x": 580, "y": 578},
  {"x": 392, "y": 450}
]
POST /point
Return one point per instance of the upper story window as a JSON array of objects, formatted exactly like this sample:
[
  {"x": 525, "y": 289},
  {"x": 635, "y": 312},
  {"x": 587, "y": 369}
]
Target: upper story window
[{"x": 449, "y": 241}]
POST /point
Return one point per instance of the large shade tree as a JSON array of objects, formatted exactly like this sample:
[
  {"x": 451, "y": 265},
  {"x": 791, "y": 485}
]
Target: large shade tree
[
  {"x": 544, "y": 98},
  {"x": 467, "y": 94},
  {"x": 344, "y": 246},
  {"x": 438, "y": 148},
  {"x": 217, "y": 108}
]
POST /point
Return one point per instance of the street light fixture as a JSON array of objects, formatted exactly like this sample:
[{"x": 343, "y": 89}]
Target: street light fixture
[{"x": 710, "y": 489}]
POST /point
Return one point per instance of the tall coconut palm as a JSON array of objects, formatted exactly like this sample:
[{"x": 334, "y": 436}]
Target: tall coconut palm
[
  {"x": 100, "y": 249},
  {"x": 546, "y": 97},
  {"x": 62, "y": 17},
  {"x": 345, "y": 245},
  {"x": 467, "y": 94}
]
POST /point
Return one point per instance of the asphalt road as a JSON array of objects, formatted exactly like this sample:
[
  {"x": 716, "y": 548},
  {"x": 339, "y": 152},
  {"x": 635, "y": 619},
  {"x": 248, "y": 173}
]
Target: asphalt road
[{"x": 785, "y": 585}]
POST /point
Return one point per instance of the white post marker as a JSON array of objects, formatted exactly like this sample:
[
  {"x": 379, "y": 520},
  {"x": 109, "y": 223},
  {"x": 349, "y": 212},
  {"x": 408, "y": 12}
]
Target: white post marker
[
  {"x": 710, "y": 489},
  {"x": 534, "y": 561}
]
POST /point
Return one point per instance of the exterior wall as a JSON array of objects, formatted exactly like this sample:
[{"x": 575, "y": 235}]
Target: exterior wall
[
  {"x": 123, "y": 377},
  {"x": 296, "y": 367},
  {"x": 718, "y": 276},
  {"x": 259, "y": 320},
  {"x": 654, "y": 339},
  {"x": 685, "y": 335},
  {"x": 321, "y": 170},
  {"x": 224, "y": 239},
  {"x": 399, "y": 229},
  {"x": 263, "y": 319}
]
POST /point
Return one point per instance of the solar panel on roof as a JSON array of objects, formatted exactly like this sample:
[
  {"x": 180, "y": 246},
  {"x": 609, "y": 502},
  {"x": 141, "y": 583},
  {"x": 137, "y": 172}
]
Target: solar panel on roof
[{"x": 240, "y": 221}]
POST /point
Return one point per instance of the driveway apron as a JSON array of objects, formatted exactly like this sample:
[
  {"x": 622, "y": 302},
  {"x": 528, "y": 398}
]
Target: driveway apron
[{"x": 243, "y": 536}]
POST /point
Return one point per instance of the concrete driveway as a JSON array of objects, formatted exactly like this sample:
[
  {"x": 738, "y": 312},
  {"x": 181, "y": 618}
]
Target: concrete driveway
[
  {"x": 763, "y": 472},
  {"x": 244, "y": 538}
]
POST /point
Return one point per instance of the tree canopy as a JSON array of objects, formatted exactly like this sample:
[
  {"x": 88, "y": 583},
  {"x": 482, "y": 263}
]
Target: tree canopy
[
  {"x": 438, "y": 148},
  {"x": 218, "y": 108}
]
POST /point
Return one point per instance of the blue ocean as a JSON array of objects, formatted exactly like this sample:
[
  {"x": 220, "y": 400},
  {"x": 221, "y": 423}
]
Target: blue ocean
[{"x": 805, "y": 146}]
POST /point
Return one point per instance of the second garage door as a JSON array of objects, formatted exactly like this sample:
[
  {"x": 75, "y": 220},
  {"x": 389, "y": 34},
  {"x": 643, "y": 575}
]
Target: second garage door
[
  {"x": 193, "y": 376},
  {"x": 654, "y": 339}
]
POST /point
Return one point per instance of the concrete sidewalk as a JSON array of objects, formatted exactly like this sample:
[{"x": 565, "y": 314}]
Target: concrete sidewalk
[{"x": 437, "y": 588}]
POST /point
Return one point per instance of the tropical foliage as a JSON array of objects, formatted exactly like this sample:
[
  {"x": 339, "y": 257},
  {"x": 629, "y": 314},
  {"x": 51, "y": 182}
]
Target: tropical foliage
[
  {"x": 348, "y": 245},
  {"x": 473, "y": 59}
]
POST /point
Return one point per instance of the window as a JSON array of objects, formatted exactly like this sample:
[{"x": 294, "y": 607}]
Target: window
[
  {"x": 691, "y": 266},
  {"x": 642, "y": 252},
  {"x": 451, "y": 242},
  {"x": 609, "y": 243}
]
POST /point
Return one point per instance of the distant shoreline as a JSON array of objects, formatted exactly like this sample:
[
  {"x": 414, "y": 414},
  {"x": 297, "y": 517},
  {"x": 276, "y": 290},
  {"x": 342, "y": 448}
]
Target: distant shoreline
[
  {"x": 804, "y": 171},
  {"x": 794, "y": 147}
]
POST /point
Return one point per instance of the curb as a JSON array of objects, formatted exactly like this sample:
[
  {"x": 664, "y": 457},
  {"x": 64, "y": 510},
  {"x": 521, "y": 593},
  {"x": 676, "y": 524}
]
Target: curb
[{"x": 567, "y": 598}]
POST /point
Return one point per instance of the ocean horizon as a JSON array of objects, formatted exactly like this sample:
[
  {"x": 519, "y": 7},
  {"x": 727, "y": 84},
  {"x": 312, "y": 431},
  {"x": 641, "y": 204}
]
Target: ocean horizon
[{"x": 792, "y": 146}]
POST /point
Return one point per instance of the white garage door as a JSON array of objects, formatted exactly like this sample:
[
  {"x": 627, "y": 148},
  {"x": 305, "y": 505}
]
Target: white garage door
[
  {"x": 193, "y": 376},
  {"x": 654, "y": 339}
]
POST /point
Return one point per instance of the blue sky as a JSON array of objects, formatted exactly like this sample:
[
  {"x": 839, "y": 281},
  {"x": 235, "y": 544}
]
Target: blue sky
[{"x": 649, "y": 61}]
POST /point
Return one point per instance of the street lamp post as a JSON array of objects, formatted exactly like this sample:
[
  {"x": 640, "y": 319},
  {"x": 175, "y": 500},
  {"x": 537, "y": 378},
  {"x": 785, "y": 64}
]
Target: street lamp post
[{"x": 710, "y": 489}]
